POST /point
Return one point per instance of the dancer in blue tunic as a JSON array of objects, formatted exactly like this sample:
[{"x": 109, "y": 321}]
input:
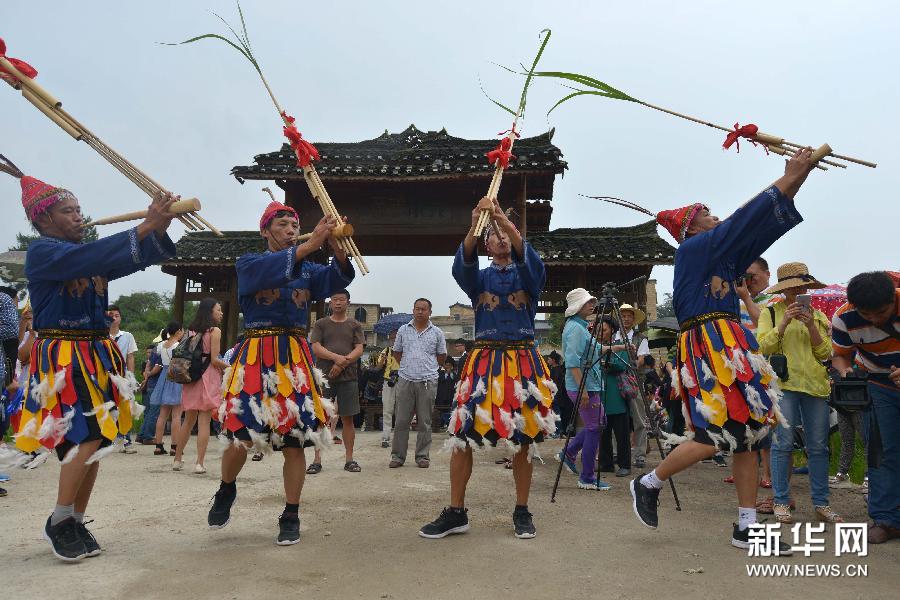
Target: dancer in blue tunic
[
  {"x": 79, "y": 396},
  {"x": 728, "y": 389},
  {"x": 272, "y": 392}
]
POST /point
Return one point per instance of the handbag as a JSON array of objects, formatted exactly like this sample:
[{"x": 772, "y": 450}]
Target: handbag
[{"x": 778, "y": 361}]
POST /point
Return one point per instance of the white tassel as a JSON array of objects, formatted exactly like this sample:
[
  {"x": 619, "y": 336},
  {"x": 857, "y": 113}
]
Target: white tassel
[
  {"x": 299, "y": 434},
  {"x": 480, "y": 389},
  {"x": 729, "y": 364},
  {"x": 70, "y": 455},
  {"x": 300, "y": 376},
  {"x": 256, "y": 410},
  {"x": 520, "y": 392},
  {"x": 56, "y": 428},
  {"x": 270, "y": 383},
  {"x": 686, "y": 378},
  {"x": 455, "y": 444},
  {"x": 676, "y": 382},
  {"x": 329, "y": 408},
  {"x": 730, "y": 439},
  {"x": 513, "y": 447},
  {"x": 226, "y": 379},
  {"x": 707, "y": 373},
  {"x": 498, "y": 389},
  {"x": 293, "y": 410},
  {"x": 705, "y": 411},
  {"x": 321, "y": 438},
  {"x": 29, "y": 432},
  {"x": 101, "y": 453},
  {"x": 41, "y": 392},
  {"x": 535, "y": 391},
  {"x": 483, "y": 416},
  {"x": 319, "y": 376},
  {"x": 518, "y": 421},
  {"x": 308, "y": 406},
  {"x": 462, "y": 391},
  {"x": 671, "y": 439},
  {"x": 222, "y": 410},
  {"x": 551, "y": 386},
  {"x": 126, "y": 385},
  {"x": 507, "y": 420},
  {"x": 738, "y": 355},
  {"x": 754, "y": 400},
  {"x": 276, "y": 439}
]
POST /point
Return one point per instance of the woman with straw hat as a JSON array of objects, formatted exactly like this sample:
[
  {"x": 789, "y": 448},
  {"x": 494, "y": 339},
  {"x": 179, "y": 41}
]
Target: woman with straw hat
[{"x": 799, "y": 332}]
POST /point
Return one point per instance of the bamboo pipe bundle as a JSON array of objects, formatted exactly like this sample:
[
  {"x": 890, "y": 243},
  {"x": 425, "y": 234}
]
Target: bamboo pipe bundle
[
  {"x": 494, "y": 187},
  {"x": 772, "y": 141},
  {"x": 180, "y": 207},
  {"x": 52, "y": 108}
]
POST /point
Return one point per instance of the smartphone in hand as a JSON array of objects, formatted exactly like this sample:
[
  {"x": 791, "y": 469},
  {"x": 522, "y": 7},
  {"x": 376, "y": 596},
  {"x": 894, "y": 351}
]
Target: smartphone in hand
[{"x": 805, "y": 300}]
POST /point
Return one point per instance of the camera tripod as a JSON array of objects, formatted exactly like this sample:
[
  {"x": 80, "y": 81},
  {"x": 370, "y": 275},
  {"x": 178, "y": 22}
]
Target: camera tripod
[{"x": 608, "y": 306}]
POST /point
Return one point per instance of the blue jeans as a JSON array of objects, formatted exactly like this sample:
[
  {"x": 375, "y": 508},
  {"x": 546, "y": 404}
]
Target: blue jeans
[
  {"x": 814, "y": 414},
  {"x": 884, "y": 482},
  {"x": 151, "y": 414}
]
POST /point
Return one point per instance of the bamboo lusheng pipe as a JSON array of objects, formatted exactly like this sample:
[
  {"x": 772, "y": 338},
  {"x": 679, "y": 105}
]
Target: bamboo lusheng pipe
[
  {"x": 178, "y": 207},
  {"x": 494, "y": 187},
  {"x": 341, "y": 231},
  {"x": 52, "y": 108},
  {"x": 765, "y": 138}
]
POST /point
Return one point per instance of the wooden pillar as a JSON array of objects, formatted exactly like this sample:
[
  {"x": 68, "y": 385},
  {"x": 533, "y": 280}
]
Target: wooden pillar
[
  {"x": 178, "y": 301},
  {"x": 523, "y": 206}
]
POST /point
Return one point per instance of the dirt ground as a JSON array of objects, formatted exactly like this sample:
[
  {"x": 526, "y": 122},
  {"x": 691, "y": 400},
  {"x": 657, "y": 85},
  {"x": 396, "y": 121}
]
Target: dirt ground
[{"x": 359, "y": 536}]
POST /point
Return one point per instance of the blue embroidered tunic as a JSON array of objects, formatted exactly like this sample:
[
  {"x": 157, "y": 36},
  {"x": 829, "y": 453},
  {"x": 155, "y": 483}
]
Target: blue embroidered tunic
[
  {"x": 504, "y": 298},
  {"x": 707, "y": 264},
  {"x": 67, "y": 281},
  {"x": 274, "y": 290}
]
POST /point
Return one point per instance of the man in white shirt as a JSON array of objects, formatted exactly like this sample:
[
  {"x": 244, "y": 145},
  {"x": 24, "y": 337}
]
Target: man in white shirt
[
  {"x": 631, "y": 318},
  {"x": 128, "y": 346}
]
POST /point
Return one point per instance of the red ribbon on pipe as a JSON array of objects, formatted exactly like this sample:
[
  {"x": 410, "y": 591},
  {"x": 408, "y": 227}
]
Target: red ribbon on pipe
[
  {"x": 306, "y": 152},
  {"x": 23, "y": 67},
  {"x": 747, "y": 131},
  {"x": 501, "y": 154}
]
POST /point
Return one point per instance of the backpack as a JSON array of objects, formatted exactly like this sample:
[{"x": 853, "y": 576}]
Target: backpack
[{"x": 189, "y": 361}]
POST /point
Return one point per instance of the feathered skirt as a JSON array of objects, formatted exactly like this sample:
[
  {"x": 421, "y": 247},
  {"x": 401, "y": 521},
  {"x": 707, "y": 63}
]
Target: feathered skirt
[
  {"x": 505, "y": 392},
  {"x": 78, "y": 390},
  {"x": 272, "y": 392},
  {"x": 728, "y": 390}
]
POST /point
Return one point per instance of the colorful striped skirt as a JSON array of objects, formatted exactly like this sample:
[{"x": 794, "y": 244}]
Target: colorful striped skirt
[
  {"x": 273, "y": 390},
  {"x": 728, "y": 390},
  {"x": 53, "y": 413},
  {"x": 505, "y": 392}
]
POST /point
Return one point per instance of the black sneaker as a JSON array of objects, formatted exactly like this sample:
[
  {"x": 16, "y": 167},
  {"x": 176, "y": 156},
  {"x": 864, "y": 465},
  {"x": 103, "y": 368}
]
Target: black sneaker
[
  {"x": 64, "y": 539},
  {"x": 288, "y": 529},
  {"x": 90, "y": 542},
  {"x": 645, "y": 502},
  {"x": 523, "y": 524},
  {"x": 220, "y": 513},
  {"x": 452, "y": 520},
  {"x": 741, "y": 539},
  {"x": 719, "y": 460}
]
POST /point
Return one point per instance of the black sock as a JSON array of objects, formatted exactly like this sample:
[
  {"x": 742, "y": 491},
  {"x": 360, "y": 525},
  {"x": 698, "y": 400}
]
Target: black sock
[
  {"x": 521, "y": 507},
  {"x": 458, "y": 509},
  {"x": 292, "y": 509},
  {"x": 229, "y": 487}
]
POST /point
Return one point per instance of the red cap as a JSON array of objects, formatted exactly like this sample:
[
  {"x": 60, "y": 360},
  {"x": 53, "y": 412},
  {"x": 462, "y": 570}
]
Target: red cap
[
  {"x": 38, "y": 196},
  {"x": 677, "y": 221},
  {"x": 273, "y": 209}
]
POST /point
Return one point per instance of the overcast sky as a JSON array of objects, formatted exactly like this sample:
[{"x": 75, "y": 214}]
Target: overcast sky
[{"x": 810, "y": 71}]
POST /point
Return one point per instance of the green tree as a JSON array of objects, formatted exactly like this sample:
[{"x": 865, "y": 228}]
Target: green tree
[
  {"x": 667, "y": 308},
  {"x": 557, "y": 321}
]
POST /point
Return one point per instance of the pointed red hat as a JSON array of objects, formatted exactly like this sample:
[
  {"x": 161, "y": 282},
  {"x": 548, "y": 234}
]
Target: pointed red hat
[
  {"x": 677, "y": 221},
  {"x": 38, "y": 197},
  {"x": 273, "y": 209}
]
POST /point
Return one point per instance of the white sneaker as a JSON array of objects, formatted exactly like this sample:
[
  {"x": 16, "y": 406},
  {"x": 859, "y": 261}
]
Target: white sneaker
[
  {"x": 199, "y": 469},
  {"x": 178, "y": 465}
]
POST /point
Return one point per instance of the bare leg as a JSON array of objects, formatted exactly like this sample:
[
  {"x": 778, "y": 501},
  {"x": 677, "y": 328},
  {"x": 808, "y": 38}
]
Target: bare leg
[
  {"x": 522, "y": 470},
  {"x": 460, "y": 472},
  {"x": 202, "y": 435},
  {"x": 176, "y": 424},
  {"x": 765, "y": 457},
  {"x": 185, "y": 434},
  {"x": 73, "y": 474},
  {"x": 745, "y": 469},
  {"x": 165, "y": 410},
  {"x": 233, "y": 460},
  {"x": 349, "y": 436},
  {"x": 87, "y": 486},
  {"x": 294, "y": 472},
  {"x": 682, "y": 457}
]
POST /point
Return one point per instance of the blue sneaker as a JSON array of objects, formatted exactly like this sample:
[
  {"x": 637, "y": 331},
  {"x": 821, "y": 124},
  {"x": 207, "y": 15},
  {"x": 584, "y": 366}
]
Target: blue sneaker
[
  {"x": 564, "y": 459},
  {"x": 595, "y": 485},
  {"x": 4, "y": 477}
]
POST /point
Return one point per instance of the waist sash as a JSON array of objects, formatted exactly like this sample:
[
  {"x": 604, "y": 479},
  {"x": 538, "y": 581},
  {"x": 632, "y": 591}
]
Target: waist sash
[{"x": 74, "y": 335}]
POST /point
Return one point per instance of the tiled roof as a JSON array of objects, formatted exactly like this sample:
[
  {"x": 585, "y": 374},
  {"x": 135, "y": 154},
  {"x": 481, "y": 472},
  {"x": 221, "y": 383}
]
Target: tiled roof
[
  {"x": 409, "y": 154},
  {"x": 639, "y": 244}
]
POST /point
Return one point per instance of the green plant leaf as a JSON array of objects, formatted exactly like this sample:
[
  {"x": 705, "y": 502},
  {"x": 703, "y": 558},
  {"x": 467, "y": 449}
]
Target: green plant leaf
[{"x": 529, "y": 75}]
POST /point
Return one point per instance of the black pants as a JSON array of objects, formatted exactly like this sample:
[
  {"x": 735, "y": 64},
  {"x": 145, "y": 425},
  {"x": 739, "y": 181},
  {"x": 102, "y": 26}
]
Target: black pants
[{"x": 618, "y": 425}]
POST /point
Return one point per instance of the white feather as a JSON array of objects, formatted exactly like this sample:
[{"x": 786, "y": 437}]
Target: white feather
[
  {"x": 70, "y": 455},
  {"x": 308, "y": 406},
  {"x": 55, "y": 428},
  {"x": 480, "y": 389},
  {"x": 300, "y": 377},
  {"x": 705, "y": 411},
  {"x": 518, "y": 421},
  {"x": 551, "y": 386},
  {"x": 732, "y": 441},
  {"x": 256, "y": 410},
  {"x": 483, "y": 416},
  {"x": 507, "y": 420},
  {"x": 462, "y": 390},
  {"x": 686, "y": 378},
  {"x": 328, "y": 407},
  {"x": 520, "y": 392},
  {"x": 299, "y": 434},
  {"x": 222, "y": 410},
  {"x": 319, "y": 377},
  {"x": 455, "y": 444},
  {"x": 513, "y": 447},
  {"x": 755, "y": 401},
  {"x": 707, "y": 373},
  {"x": 29, "y": 431},
  {"x": 676, "y": 382},
  {"x": 42, "y": 391},
  {"x": 498, "y": 389},
  {"x": 729, "y": 364},
  {"x": 101, "y": 453},
  {"x": 535, "y": 391},
  {"x": 293, "y": 410},
  {"x": 276, "y": 439},
  {"x": 126, "y": 385},
  {"x": 321, "y": 438},
  {"x": 738, "y": 355}
]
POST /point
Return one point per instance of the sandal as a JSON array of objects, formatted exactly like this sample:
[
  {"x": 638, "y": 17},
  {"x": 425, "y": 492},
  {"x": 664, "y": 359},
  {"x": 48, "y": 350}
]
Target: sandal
[
  {"x": 783, "y": 513},
  {"x": 258, "y": 456},
  {"x": 729, "y": 479},
  {"x": 766, "y": 506},
  {"x": 172, "y": 451},
  {"x": 765, "y": 483},
  {"x": 352, "y": 466},
  {"x": 160, "y": 450},
  {"x": 314, "y": 468},
  {"x": 508, "y": 464}
]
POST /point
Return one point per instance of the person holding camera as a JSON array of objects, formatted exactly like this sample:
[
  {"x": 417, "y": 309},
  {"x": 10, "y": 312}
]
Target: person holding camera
[
  {"x": 391, "y": 368},
  {"x": 866, "y": 332},
  {"x": 795, "y": 337}
]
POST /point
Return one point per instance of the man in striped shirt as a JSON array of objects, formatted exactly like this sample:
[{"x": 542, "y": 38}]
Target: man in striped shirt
[{"x": 866, "y": 332}]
